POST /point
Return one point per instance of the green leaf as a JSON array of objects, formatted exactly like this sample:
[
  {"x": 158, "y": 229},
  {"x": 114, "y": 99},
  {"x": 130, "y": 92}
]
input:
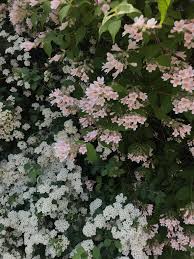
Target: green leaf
[
  {"x": 91, "y": 153},
  {"x": 107, "y": 242},
  {"x": 47, "y": 46},
  {"x": 163, "y": 6},
  {"x": 96, "y": 253},
  {"x": 33, "y": 171},
  {"x": 113, "y": 28},
  {"x": 125, "y": 8},
  {"x": 79, "y": 34},
  {"x": 64, "y": 12},
  {"x": 166, "y": 103},
  {"x": 120, "y": 10},
  {"x": 164, "y": 60},
  {"x": 183, "y": 193}
]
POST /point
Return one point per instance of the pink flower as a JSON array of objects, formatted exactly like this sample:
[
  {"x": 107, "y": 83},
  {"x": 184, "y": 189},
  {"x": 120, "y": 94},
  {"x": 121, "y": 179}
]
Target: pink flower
[
  {"x": 151, "y": 23},
  {"x": 55, "y": 4},
  {"x": 111, "y": 64},
  {"x": 133, "y": 100},
  {"x": 91, "y": 136},
  {"x": 110, "y": 137},
  {"x": 105, "y": 8},
  {"x": 27, "y": 45},
  {"x": 179, "y": 26},
  {"x": 139, "y": 22},
  {"x": 62, "y": 150},
  {"x": 56, "y": 58},
  {"x": 82, "y": 149},
  {"x": 129, "y": 121},
  {"x": 182, "y": 131},
  {"x": 151, "y": 67}
]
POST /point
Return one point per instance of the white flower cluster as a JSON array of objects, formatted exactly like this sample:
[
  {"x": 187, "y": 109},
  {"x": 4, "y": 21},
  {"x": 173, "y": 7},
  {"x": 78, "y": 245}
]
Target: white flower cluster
[
  {"x": 34, "y": 215},
  {"x": 126, "y": 224}
]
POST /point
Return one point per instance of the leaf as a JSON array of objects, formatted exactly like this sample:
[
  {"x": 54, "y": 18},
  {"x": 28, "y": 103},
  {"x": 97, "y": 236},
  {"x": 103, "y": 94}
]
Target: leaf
[
  {"x": 91, "y": 153},
  {"x": 96, "y": 253},
  {"x": 47, "y": 47},
  {"x": 64, "y": 12},
  {"x": 107, "y": 242},
  {"x": 125, "y": 8},
  {"x": 166, "y": 103},
  {"x": 80, "y": 33},
  {"x": 163, "y": 6},
  {"x": 113, "y": 28},
  {"x": 33, "y": 171},
  {"x": 183, "y": 193},
  {"x": 164, "y": 60},
  {"x": 119, "y": 10}
]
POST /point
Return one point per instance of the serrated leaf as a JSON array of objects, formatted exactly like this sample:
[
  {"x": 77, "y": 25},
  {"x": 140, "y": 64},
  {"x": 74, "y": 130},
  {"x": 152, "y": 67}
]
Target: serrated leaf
[
  {"x": 113, "y": 28},
  {"x": 64, "y": 12},
  {"x": 163, "y": 6}
]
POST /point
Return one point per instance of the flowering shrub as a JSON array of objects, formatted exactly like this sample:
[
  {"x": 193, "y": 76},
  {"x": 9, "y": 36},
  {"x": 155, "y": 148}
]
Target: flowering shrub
[{"x": 96, "y": 129}]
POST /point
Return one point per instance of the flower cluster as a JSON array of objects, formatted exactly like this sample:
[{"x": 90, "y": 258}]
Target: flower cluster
[{"x": 96, "y": 100}]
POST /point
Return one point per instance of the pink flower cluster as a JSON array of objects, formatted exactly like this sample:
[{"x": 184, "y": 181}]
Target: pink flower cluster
[
  {"x": 80, "y": 72},
  {"x": 137, "y": 157},
  {"x": 151, "y": 67},
  {"x": 110, "y": 137},
  {"x": 155, "y": 249},
  {"x": 183, "y": 105},
  {"x": 184, "y": 78},
  {"x": 187, "y": 27},
  {"x": 91, "y": 136},
  {"x": 62, "y": 150},
  {"x": 133, "y": 100},
  {"x": 129, "y": 121},
  {"x": 66, "y": 103},
  {"x": 136, "y": 29},
  {"x": 111, "y": 64},
  {"x": 178, "y": 240},
  {"x": 96, "y": 96},
  {"x": 189, "y": 217},
  {"x": 27, "y": 45},
  {"x": 182, "y": 130}
]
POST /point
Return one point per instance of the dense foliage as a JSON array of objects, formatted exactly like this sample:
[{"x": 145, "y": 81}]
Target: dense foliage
[{"x": 96, "y": 129}]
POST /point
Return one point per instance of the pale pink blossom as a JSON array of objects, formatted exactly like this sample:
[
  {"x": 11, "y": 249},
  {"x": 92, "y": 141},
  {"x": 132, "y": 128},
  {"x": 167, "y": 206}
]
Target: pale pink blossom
[
  {"x": 133, "y": 100},
  {"x": 62, "y": 150},
  {"x": 27, "y": 45},
  {"x": 111, "y": 64},
  {"x": 55, "y": 4},
  {"x": 82, "y": 149},
  {"x": 55, "y": 58},
  {"x": 130, "y": 121},
  {"x": 110, "y": 137},
  {"x": 151, "y": 67},
  {"x": 91, "y": 136},
  {"x": 105, "y": 8},
  {"x": 182, "y": 131}
]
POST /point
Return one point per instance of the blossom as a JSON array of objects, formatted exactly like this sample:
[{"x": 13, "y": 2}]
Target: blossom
[
  {"x": 27, "y": 45},
  {"x": 130, "y": 121},
  {"x": 62, "y": 150},
  {"x": 111, "y": 64},
  {"x": 55, "y": 4},
  {"x": 182, "y": 130}
]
